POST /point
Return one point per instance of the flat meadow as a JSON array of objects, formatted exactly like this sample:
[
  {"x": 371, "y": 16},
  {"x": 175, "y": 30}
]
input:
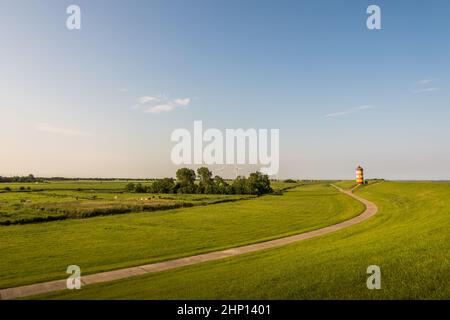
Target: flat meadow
[
  {"x": 408, "y": 239},
  {"x": 40, "y": 252},
  {"x": 22, "y": 203}
]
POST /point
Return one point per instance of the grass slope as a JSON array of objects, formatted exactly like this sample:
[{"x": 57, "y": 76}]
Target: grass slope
[
  {"x": 39, "y": 252},
  {"x": 408, "y": 238}
]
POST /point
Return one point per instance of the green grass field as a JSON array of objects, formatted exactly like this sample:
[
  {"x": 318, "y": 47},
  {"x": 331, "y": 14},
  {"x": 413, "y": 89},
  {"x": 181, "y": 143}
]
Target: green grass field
[
  {"x": 59, "y": 200},
  {"x": 71, "y": 185},
  {"x": 350, "y": 184},
  {"x": 346, "y": 184},
  {"x": 44, "y": 206},
  {"x": 408, "y": 238},
  {"x": 39, "y": 252},
  {"x": 94, "y": 185}
]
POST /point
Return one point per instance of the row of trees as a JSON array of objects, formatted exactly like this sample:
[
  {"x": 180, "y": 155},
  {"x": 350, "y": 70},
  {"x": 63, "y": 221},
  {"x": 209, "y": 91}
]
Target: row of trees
[
  {"x": 185, "y": 182},
  {"x": 32, "y": 178},
  {"x": 29, "y": 178}
]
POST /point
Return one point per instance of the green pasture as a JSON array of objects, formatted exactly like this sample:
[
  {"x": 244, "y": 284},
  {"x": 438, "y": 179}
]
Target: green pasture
[
  {"x": 22, "y": 203},
  {"x": 40, "y": 252},
  {"x": 113, "y": 185},
  {"x": 49, "y": 205},
  {"x": 408, "y": 239},
  {"x": 349, "y": 184}
]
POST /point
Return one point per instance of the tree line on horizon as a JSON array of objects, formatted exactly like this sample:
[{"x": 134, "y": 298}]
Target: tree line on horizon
[
  {"x": 185, "y": 183},
  {"x": 23, "y": 179},
  {"x": 31, "y": 178}
]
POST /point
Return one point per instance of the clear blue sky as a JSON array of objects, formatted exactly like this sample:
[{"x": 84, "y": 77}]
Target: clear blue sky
[{"x": 340, "y": 94}]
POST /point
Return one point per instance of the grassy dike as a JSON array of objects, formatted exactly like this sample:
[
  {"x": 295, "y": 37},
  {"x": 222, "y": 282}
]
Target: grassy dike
[
  {"x": 408, "y": 238},
  {"x": 41, "y": 252}
]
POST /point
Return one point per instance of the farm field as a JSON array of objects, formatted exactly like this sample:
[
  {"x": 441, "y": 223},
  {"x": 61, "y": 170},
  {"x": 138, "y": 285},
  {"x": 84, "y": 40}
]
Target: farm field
[
  {"x": 113, "y": 185},
  {"x": 94, "y": 185},
  {"x": 42, "y": 251},
  {"x": 408, "y": 238},
  {"x": 41, "y": 202},
  {"x": 44, "y": 206}
]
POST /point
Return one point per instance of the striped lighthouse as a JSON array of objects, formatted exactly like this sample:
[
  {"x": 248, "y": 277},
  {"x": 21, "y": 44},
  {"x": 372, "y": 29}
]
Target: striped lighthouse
[{"x": 359, "y": 175}]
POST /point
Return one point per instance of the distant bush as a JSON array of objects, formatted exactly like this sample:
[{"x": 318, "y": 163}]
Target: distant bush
[
  {"x": 29, "y": 178},
  {"x": 186, "y": 181},
  {"x": 130, "y": 187},
  {"x": 166, "y": 185},
  {"x": 139, "y": 188},
  {"x": 290, "y": 181},
  {"x": 256, "y": 184}
]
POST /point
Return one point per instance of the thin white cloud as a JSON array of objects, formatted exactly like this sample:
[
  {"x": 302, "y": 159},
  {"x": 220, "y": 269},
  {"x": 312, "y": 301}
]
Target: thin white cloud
[
  {"x": 347, "y": 112},
  {"x": 365, "y": 107},
  {"x": 423, "y": 86},
  {"x": 147, "y": 99},
  {"x": 46, "y": 128},
  {"x": 425, "y": 81},
  {"x": 160, "y": 104},
  {"x": 160, "y": 108},
  {"x": 427, "y": 90},
  {"x": 123, "y": 90},
  {"x": 338, "y": 114},
  {"x": 182, "y": 102}
]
